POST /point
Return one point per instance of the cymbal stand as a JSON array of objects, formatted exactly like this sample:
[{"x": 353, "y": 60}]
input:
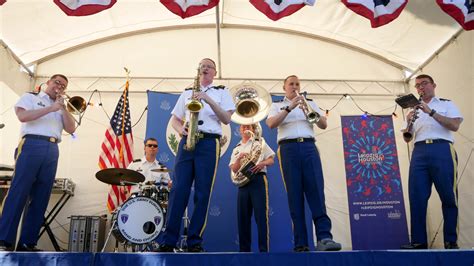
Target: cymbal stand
[
  {"x": 110, "y": 232},
  {"x": 184, "y": 237}
]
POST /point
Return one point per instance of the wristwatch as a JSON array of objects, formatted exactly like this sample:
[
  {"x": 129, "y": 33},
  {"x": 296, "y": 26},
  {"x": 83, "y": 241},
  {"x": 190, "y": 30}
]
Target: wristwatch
[
  {"x": 287, "y": 109},
  {"x": 433, "y": 111}
]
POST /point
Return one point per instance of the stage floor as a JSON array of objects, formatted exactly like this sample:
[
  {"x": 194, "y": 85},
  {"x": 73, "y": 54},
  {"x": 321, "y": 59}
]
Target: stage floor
[{"x": 365, "y": 258}]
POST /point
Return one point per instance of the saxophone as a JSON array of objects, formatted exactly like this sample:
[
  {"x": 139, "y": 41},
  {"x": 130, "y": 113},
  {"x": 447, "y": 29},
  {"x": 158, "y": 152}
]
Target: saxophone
[
  {"x": 194, "y": 106},
  {"x": 244, "y": 174}
]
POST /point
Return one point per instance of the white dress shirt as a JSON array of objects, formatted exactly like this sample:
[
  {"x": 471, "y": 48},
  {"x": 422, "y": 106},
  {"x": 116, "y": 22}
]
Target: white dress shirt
[
  {"x": 245, "y": 147},
  {"x": 294, "y": 125},
  {"x": 50, "y": 124},
  {"x": 210, "y": 121},
  {"x": 144, "y": 167}
]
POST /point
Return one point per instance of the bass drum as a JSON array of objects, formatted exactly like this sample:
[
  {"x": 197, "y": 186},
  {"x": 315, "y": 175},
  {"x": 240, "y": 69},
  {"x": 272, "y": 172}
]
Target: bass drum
[{"x": 138, "y": 221}]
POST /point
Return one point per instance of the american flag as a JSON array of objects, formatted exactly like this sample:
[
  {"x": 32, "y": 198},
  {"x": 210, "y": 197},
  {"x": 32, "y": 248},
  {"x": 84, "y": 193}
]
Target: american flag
[{"x": 117, "y": 148}]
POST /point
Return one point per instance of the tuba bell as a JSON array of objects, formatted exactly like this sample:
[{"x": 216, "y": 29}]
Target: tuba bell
[{"x": 252, "y": 103}]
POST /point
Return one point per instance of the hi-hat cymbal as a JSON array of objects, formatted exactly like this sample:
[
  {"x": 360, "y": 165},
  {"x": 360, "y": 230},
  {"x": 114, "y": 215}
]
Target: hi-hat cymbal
[
  {"x": 161, "y": 170},
  {"x": 119, "y": 176}
]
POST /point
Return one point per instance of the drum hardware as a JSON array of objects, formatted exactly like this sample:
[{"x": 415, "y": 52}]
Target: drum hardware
[{"x": 119, "y": 176}]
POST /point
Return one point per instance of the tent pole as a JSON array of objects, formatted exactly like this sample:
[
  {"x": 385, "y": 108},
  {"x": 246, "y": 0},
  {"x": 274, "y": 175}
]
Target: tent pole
[{"x": 218, "y": 32}]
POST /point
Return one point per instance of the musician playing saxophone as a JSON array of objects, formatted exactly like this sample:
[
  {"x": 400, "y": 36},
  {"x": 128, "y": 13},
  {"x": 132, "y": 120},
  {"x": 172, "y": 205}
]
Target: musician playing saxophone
[
  {"x": 252, "y": 197},
  {"x": 434, "y": 160},
  {"x": 199, "y": 164},
  {"x": 301, "y": 165}
]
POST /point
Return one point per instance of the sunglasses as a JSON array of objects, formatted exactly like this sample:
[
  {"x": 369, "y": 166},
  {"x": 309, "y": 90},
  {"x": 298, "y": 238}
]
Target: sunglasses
[{"x": 152, "y": 146}]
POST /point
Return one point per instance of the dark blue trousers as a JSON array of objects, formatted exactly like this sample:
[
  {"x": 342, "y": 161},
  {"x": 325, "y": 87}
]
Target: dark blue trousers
[
  {"x": 434, "y": 163},
  {"x": 253, "y": 197},
  {"x": 35, "y": 170},
  {"x": 200, "y": 167},
  {"x": 303, "y": 177}
]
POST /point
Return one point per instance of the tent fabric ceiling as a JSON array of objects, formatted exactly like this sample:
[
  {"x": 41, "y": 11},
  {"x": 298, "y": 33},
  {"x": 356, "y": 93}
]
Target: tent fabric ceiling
[{"x": 406, "y": 43}]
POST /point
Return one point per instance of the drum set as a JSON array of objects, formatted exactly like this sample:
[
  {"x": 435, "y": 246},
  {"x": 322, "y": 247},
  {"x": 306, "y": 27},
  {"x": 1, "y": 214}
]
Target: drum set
[{"x": 141, "y": 218}]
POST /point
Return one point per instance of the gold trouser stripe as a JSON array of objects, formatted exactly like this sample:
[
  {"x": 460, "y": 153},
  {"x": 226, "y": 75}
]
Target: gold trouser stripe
[
  {"x": 267, "y": 207},
  {"x": 18, "y": 152},
  {"x": 218, "y": 151},
  {"x": 455, "y": 181},
  {"x": 284, "y": 184}
]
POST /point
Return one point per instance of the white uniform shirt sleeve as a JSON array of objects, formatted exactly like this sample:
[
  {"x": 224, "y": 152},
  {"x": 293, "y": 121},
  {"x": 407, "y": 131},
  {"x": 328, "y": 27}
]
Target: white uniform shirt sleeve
[
  {"x": 26, "y": 101},
  {"x": 274, "y": 109},
  {"x": 179, "y": 109},
  {"x": 453, "y": 111},
  {"x": 226, "y": 101},
  {"x": 233, "y": 156},
  {"x": 267, "y": 152}
]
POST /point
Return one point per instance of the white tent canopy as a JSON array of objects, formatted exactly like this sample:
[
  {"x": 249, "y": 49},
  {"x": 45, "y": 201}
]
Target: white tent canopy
[{"x": 333, "y": 50}]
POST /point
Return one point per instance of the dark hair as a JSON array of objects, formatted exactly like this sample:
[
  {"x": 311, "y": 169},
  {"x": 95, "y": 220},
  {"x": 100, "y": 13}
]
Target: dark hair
[
  {"x": 152, "y": 139},
  {"x": 59, "y": 75},
  {"x": 211, "y": 61},
  {"x": 424, "y": 76}
]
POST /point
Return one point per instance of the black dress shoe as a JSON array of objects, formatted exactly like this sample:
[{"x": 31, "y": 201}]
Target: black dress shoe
[
  {"x": 165, "y": 248},
  {"x": 27, "y": 248},
  {"x": 414, "y": 246},
  {"x": 451, "y": 245},
  {"x": 301, "y": 249},
  {"x": 196, "y": 249}
]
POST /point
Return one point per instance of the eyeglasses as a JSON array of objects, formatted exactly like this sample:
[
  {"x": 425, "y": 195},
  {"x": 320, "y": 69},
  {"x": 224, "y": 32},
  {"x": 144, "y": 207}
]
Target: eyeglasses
[
  {"x": 207, "y": 66},
  {"x": 61, "y": 86},
  {"x": 423, "y": 83},
  {"x": 152, "y": 146}
]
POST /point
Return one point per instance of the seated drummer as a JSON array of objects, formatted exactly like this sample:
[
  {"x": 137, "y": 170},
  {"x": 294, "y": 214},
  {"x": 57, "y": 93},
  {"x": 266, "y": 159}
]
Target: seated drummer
[{"x": 148, "y": 163}]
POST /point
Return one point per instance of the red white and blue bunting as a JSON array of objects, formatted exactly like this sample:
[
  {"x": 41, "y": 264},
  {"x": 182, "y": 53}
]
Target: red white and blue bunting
[
  {"x": 277, "y": 9},
  {"x": 379, "y": 12},
  {"x": 461, "y": 10},
  {"x": 2, "y": 2},
  {"x": 84, "y": 7},
  {"x": 188, "y": 8}
]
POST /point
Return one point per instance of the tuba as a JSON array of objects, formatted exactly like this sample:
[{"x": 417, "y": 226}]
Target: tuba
[
  {"x": 311, "y": 115},
  {"x": 194, "y": 106},
  {"x": 244, "y": 174},
  {"x": 252, "y": 104}
]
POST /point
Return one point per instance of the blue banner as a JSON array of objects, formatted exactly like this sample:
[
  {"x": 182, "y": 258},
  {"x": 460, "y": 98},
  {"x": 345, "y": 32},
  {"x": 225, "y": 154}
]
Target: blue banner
[
  {"x": 376, "y": 206},
  {"x": 221, "y": 230}
]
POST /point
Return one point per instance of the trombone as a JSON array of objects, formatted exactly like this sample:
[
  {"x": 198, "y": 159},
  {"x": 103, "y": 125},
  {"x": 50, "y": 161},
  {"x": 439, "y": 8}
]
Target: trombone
[{"x": 75, "y": 105}]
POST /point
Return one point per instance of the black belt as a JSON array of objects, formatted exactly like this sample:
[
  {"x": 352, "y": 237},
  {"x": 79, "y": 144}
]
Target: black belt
[
  {"x": 204, "y": 135},
  {"x": 50, "y": 139},
  {"x": 431, "y": 141},
  {"x": 283, "y": 141}
]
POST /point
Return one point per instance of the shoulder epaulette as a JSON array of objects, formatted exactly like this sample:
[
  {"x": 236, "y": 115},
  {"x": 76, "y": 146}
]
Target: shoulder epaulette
[
  {"x": 188, "y": 89},
  {"x": 446, "y": 100},
  {"x": 137, "y": 160},
  {"x": 238, "y": 144},
  {"x": 33, "y": 92},
  {"x": 219, "y": 87},
  {"x": 309, "y": 99}
]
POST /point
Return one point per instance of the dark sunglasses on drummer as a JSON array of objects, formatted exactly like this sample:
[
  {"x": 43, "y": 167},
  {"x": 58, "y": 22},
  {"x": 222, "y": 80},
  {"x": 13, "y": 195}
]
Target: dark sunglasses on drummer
[{"x": 152, "y": 145}]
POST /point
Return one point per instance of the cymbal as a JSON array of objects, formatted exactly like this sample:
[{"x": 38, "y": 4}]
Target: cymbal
[
  {"x": 161, "y": 170},
  {"x": 119, "y": 176}
]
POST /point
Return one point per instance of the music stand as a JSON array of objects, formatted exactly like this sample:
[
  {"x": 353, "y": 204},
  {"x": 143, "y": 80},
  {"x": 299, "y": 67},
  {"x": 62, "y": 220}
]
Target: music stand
[{"x": 407, "y": 101}]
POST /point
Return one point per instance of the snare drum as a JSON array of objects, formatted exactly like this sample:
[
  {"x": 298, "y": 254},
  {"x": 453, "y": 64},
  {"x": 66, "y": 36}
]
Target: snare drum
[{"x": 138, "y": 221}]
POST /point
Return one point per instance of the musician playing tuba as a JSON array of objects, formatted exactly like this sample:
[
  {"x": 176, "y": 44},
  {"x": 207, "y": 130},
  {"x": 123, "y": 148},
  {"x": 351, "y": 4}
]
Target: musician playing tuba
[
  {"x": 248, "y": 163},
  {"x": 199, "y": 164}
]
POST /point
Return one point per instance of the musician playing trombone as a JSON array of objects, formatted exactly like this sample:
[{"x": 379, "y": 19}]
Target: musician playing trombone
[
  {"x": 253, "y": 195},
  {"x": 197, "y": 162},
  {"x": 43, "y": 116},
  {"x": 434, "y": 160},
  {"x": 299, "y": 159}
]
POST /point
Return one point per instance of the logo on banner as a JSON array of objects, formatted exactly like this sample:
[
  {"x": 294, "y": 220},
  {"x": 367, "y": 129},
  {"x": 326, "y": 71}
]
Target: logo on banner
[{"x": 173, "y": 138}]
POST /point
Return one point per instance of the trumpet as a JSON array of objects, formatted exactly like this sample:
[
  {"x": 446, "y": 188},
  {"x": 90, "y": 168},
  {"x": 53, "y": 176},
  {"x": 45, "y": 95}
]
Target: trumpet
[
  {"x": 407, "y": 133},
  {"x": 311, "y": 115}
]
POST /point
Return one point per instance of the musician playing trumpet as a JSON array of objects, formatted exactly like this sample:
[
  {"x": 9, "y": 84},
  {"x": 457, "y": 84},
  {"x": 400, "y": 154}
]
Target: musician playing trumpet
[
  {"x": 434, "y": 160},
  {"x": 301, "y": 165},
  {"x": 253, "y": 196},
  {"x": 198, "y": 164}
]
